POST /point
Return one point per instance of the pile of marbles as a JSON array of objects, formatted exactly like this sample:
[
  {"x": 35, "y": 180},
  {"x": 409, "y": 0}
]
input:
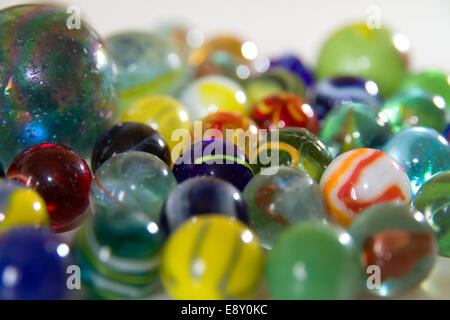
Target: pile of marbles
[{"x": 335, "y": 183}]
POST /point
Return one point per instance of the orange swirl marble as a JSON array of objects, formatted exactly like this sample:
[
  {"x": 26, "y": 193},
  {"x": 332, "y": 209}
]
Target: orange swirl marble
[{"x": 361, "y": 178}]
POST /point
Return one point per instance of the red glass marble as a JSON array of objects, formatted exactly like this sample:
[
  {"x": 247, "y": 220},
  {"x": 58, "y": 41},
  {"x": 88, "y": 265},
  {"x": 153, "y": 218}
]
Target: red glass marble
[
  {"x": 60, "y": 176},
  {"x": 285, "y": 110}
]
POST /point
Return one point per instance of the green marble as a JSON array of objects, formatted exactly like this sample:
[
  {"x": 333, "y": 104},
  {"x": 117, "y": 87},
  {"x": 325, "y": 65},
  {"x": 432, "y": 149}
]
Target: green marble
[
  {"x": 433, "y": 199},
  {"x": 412, "y": 108},
  {"x": 433, "y": 81},
  {"x": 277, "y": 201},
  {"x": 397, "y": 240},
  {"x": 356, "y": 50},
  {"x": 272, "y": 82},
  {"x": 136, "y": 180},
  {"x": 354, "y": 125},
  {"x": 118, "y": 252},
  {"x": 147, "y": 64},
  {"x": 313, "y": 261},
  {"x": 291, "y": 147}
]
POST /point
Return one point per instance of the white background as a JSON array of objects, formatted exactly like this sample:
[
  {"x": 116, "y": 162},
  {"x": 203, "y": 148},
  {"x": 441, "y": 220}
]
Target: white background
[
  {"x": 280, "y": 25},
  {"x": 291, "y": 25}
]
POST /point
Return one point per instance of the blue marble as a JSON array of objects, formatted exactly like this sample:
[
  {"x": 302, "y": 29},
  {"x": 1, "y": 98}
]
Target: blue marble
[
  {"x": 293, "y": 64},
  {"x": 201, "y": 195},
  {"x": 447, "y": 133},
  {"x": 215, "y": 158},
  {"x": 421, "y": 151},
  {"x": 33, "y": 265},
  {"x": 330, "y": 93}
]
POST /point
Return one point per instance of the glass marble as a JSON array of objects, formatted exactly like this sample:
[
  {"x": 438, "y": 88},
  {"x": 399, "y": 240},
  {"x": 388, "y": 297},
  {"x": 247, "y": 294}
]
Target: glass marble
[
  {"x": 118, "y": 252},
  {"x": 313, "y": 261},
  {"x": 354, "y": 125},
  {"x": 135, "y": 180},
  {"x": 224, "y": 55},
  {"x": 56, "y": 84},
  {"x": 147, "y": 64},
  {"x": 163, "y": 113},
  {"x": 285, "y": 110},
  {"x": 421, "y": 151},
  {"x": 21, "y": 206},
  {"x": 332, "y": 92},
  {"x": 182, "y": 36},
  {"x": 433, "y": 199},
  {"x": 198, "y": 196},
  {"x": 399, "y": 242},
  {"x": 277, "y": 201},
  {"x": 215, "y": 158},
  {"x": 291, "y": 147},
  {"x": 431, "y": 80},
  {"x": 447, "y": 133},
  {"x": 272, "y": 82},
  {"x": 212, "y": 257},
  {"x": 415, "y": 107},
  {"x": 372, "y": 53},
  {"x": 293, "y": 64},
  {"x": 229, "y": 126},
  {"x": 37, "y": 260},
  {"x": 359, "y": 179},
  {"x": 213, "y": 93},
  {"x": 60, "y": 176},
  {"x": 129, "y": 136}
]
